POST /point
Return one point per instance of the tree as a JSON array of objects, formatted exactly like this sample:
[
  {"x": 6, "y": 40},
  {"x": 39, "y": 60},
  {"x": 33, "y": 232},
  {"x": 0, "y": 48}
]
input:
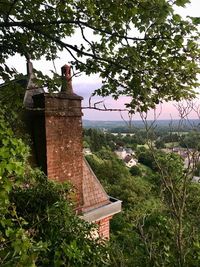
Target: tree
[
  {"x": 135, "y": 170},
  {"x": 197, "y": 169},
  {"x": 13, "y": 154},
  {"x": 180, "y": 197},
  {"x": 146, "y": 158},
  {"x": 159, "y": 143},
  {"x": 38, "y": 226},
  {"x": 141, "y": 49},
  {"x": 108, "y": 167},
  {"x": 191, "y": 140},
  {"x": 159, "y": 224}
]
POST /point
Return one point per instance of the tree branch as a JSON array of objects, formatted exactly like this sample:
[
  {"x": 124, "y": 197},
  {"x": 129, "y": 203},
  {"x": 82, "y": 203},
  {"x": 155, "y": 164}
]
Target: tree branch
[
  {"x": 23, "y": 24},
  {"x": 104, "y": 109}
]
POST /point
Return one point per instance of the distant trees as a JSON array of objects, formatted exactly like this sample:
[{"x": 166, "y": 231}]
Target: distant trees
[
  {"x": 191, "y": 140},
  {"x": 197, "y": 169},
  {"x": 159, "y": 144},
  {"x": 171, "y": 137},
  {"x": 146, "y": 158},
  {"x": 108, "y": 168},
  {"x": 97, "y": 139}
]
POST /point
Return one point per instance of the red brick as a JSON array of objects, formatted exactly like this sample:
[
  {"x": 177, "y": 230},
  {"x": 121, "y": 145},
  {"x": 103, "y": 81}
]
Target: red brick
[{"x": 57, "y": 131}]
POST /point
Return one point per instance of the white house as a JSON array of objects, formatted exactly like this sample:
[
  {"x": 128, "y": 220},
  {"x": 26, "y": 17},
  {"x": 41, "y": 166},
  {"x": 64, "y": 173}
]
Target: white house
[
  {"x": 130, "y": 161},
  {"x": 121, "y": 152}
]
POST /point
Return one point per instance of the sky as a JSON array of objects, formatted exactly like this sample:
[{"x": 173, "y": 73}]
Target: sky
[{"x": 84, "y": 85}]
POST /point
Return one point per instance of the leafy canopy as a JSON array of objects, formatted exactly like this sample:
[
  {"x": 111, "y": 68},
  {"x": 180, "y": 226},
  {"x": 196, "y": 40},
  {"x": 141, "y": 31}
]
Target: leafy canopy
[{"x": 141, "y": 49}]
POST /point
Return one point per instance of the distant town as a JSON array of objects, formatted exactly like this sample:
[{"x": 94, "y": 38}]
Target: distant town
[{"x": 133, "y": 145}]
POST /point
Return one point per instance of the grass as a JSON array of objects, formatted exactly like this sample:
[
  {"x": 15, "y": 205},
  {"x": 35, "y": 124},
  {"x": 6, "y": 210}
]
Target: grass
[{"x": 171, "y": 144}]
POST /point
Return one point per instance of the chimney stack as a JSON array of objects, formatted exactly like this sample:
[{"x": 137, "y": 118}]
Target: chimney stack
[
  {"x": 58, "y": 134},
  {"x": 56, "y": 126}
]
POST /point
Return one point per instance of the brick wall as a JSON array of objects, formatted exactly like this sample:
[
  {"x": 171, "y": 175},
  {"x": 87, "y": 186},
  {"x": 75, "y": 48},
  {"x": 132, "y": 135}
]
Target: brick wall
[
  {"x": 58, "y": 117},
  {"x": 104, "y": 227},
  {"x": 64, "y": 151}
]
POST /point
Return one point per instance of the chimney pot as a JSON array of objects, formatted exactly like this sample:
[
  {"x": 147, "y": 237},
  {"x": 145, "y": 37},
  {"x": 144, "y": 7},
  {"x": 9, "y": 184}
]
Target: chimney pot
[{"x": 66, "y": 80}]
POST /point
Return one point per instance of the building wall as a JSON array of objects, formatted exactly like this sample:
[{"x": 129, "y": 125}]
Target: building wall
[
  {"x": 60, "y": 121},
  {"x": 64, "y": 151},
  {"x": 104, "y": 227}
]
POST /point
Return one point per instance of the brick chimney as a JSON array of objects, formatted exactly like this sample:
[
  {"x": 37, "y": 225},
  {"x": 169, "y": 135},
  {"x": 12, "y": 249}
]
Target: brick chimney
[
  {"x": 56, "y": 125},
  {"x": 58, "y": 134}
]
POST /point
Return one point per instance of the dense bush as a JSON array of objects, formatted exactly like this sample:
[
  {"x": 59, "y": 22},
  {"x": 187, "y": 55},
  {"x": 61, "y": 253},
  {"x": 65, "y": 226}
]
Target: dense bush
[
  {"x": 135, "y": 170},
  {"x": 38, "y": 225}
]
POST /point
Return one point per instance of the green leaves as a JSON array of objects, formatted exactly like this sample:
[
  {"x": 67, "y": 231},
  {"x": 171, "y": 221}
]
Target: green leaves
[
  {"x": 138, "y": 48},
  {"x": 38, "y": 226},
  {"x": 182, "y": 2},
  {"x": 195, "y": 20}
]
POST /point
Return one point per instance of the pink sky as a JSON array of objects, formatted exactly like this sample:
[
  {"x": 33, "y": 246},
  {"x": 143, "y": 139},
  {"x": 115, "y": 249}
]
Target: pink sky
[
  {"x": 85, "y": 85},
  {"x": 164, "y": 111}
]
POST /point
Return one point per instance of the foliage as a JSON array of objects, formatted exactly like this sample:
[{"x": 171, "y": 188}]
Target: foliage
[
  {"x": 140, "y": 49},
  {"x": 38, "y": 226},
  {"x": 197, "y": 169},
  {"x": 171, "y": 137},
  {"x": 159, "y": 224},
  {"x": 47, "y": 209},
  {"x": 176, "y": 191},
  {"x": 146, "y": 158},
  {"x": 108, "y": 168},
  {"x": 135, "y": 170},
  {"x": 96, "y": 139},
  {"x": 16, "y": 245},
  {"x": 191, "y": 140},
  {"x": 159, "y": 144}
]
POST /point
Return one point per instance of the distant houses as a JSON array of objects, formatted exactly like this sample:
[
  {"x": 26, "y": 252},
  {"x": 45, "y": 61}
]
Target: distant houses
[
  {"x": 127, "y": 155},
  {"x": 87, "y": 151},
  {"x": 124, "y": 153},
  {"x": 121, "y": 153},
  {"x": 130, "y": 161},
  {"x": 196, "y": 179},
  {"x": 190, "y": 156}
]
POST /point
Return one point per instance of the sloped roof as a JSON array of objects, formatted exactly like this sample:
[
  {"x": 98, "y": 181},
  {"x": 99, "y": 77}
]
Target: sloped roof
[
  {"x": 13, "y": 89},
  {"x": 32, "y": 88},
  {"x": 127, "y": 158},
  {"x": 94, "y": 194}
]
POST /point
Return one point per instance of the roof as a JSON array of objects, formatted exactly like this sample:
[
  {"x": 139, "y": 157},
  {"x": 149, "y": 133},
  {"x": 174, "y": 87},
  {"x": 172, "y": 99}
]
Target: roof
[
  {"x": 128, "y": 158},
  {"x": 15, "y": 88},
  {"x": 27, "y": 87},
  {"x": 94, "y": 194},
  {"x": 22, "y": 81}
]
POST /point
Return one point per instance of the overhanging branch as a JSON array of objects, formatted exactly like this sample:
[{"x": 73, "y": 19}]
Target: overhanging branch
[
  {"x": 105, "y": 109},
  {"x": 22, "y": 24}
]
